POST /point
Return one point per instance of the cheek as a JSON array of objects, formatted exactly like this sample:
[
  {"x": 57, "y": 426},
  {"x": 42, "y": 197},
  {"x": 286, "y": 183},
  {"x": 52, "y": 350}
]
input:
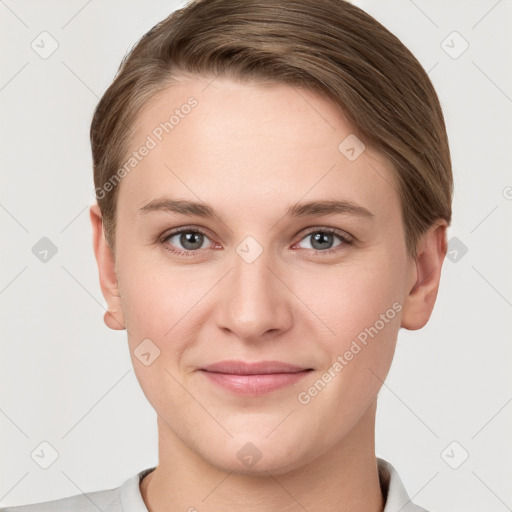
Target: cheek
[
  {"x": 157, "y": 304},
  {"x": 361, "y": 305},
  {"x": 169, "y": 306},
  {"x": 154, "y": 294},
  {"x": 349, "y": 299},
  {"x": 363, "y": 309}
]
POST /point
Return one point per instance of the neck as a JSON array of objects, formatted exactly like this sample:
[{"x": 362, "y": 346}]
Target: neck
[{"x": 345, "y": 478}]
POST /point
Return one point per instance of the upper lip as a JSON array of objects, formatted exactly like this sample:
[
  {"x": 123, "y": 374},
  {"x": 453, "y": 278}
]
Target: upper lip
[{"x": 253, "y": 368}]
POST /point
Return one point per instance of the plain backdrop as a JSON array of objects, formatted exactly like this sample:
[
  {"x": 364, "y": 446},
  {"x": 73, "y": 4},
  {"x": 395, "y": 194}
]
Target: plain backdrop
[{"x": 445, "y": 414}]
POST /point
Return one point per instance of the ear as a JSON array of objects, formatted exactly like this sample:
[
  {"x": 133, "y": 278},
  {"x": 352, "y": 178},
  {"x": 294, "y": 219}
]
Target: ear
[
  {"x": 431, "y": 250},
  {"x": 113, "y": 318}
]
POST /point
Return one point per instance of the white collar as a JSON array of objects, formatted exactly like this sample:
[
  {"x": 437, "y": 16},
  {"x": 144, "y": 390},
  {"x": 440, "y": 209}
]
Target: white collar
[{"x": 397, "y": 499}]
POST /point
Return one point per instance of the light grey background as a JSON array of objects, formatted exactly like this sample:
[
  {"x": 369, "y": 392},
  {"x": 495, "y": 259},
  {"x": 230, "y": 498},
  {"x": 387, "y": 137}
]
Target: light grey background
[{"x": 67, "y": 379}]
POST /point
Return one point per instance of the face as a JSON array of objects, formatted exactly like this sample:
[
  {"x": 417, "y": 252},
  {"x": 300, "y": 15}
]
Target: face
[{"x": 293, "y": 251}]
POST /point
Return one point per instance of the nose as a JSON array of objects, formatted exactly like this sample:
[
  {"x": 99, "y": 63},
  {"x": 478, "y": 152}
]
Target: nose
[{"x": 254, "y": 304}]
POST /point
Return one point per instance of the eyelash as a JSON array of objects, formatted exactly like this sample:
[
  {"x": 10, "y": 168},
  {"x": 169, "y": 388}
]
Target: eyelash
[{"x": 345, "y": 240}]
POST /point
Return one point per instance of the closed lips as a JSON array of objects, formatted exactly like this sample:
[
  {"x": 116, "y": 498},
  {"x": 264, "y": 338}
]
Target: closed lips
[{"x": 253, "y": 368}]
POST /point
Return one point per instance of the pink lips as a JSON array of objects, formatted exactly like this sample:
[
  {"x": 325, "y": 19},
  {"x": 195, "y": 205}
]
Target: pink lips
[{"x": 253, "y": 379}]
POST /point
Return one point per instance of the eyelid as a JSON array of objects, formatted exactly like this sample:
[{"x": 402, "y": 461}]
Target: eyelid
[
  {"x": 346, "y": 237},
  {"x": 191, "y": 227}
]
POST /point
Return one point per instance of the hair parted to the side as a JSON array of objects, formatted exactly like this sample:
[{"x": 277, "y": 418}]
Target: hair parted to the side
[{"x": 327, "y": 46}]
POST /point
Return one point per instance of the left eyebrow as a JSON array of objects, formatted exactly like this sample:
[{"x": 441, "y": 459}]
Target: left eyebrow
[
  {"x": 326, "y": 208},
  {"x": 312, "y": 208}
]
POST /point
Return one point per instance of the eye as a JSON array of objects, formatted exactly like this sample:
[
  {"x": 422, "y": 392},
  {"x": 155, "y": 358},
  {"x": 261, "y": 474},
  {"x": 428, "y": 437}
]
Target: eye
[
  {"x": 188, "y": 241},
  {"x": 322, "y": 240},
  {"x": 185, "y": 241}
]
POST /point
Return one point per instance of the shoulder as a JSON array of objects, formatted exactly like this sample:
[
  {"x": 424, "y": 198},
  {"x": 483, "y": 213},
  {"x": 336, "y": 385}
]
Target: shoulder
[
  {"x": 106, "y": 501},
  {"x": 125, "y": 498}
]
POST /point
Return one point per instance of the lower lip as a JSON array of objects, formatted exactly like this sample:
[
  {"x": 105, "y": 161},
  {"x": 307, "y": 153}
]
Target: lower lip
[{"x": 255, "y": 385}]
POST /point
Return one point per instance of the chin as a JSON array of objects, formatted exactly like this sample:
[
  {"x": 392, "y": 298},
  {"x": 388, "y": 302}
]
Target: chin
[{"x": 256, "y": 457}]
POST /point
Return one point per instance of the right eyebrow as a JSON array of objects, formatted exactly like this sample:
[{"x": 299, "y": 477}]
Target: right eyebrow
[{"x": 175, "y": 206}]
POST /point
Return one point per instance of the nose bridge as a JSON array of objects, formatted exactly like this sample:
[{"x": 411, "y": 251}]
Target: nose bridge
[
  {"x": 255, "y": 301},
  {"x": 253, "y": 276}
]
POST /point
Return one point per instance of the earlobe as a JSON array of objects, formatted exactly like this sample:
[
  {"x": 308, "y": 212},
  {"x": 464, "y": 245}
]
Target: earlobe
[
  {"x": 113, "y": 317},
  {"x": 419, "y": 303}
]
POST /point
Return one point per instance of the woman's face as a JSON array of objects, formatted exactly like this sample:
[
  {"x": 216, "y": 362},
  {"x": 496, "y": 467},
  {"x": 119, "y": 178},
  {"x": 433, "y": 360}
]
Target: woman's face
[{"x": 255, "y": 276}]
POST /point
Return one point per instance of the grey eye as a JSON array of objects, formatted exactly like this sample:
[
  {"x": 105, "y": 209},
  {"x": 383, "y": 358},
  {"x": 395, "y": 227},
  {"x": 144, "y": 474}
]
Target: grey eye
[
  {"x": 321, "y": 240},
  {"x": 189, "y": 240}
]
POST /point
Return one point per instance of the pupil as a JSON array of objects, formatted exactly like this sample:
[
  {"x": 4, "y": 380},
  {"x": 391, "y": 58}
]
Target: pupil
[
  {"x": 321, "y": 239},
  {"x": 194, "y": 239}
]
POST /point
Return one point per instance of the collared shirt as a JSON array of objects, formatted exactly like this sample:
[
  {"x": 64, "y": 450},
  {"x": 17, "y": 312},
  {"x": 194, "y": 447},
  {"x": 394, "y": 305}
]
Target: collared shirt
[{"x": 128, "y": 498}]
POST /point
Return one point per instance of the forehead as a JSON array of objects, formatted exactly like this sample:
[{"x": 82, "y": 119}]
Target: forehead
[{"x": 223, "y": 141}]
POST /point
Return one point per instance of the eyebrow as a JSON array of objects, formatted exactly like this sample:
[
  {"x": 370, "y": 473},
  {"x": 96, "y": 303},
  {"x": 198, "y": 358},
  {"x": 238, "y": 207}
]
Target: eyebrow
[{"x": 312, "y": 208}]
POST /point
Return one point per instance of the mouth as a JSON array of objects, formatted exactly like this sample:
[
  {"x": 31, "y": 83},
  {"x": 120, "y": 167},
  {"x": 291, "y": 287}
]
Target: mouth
[{"x": 254, "y": 379}]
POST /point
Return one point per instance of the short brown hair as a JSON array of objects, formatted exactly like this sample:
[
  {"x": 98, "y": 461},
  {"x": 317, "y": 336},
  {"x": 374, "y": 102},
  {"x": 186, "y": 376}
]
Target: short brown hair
[{"x": 327, "y": 46}]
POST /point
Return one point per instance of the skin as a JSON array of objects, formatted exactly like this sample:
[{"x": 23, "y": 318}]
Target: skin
[{"x": 250, "y": 152}]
